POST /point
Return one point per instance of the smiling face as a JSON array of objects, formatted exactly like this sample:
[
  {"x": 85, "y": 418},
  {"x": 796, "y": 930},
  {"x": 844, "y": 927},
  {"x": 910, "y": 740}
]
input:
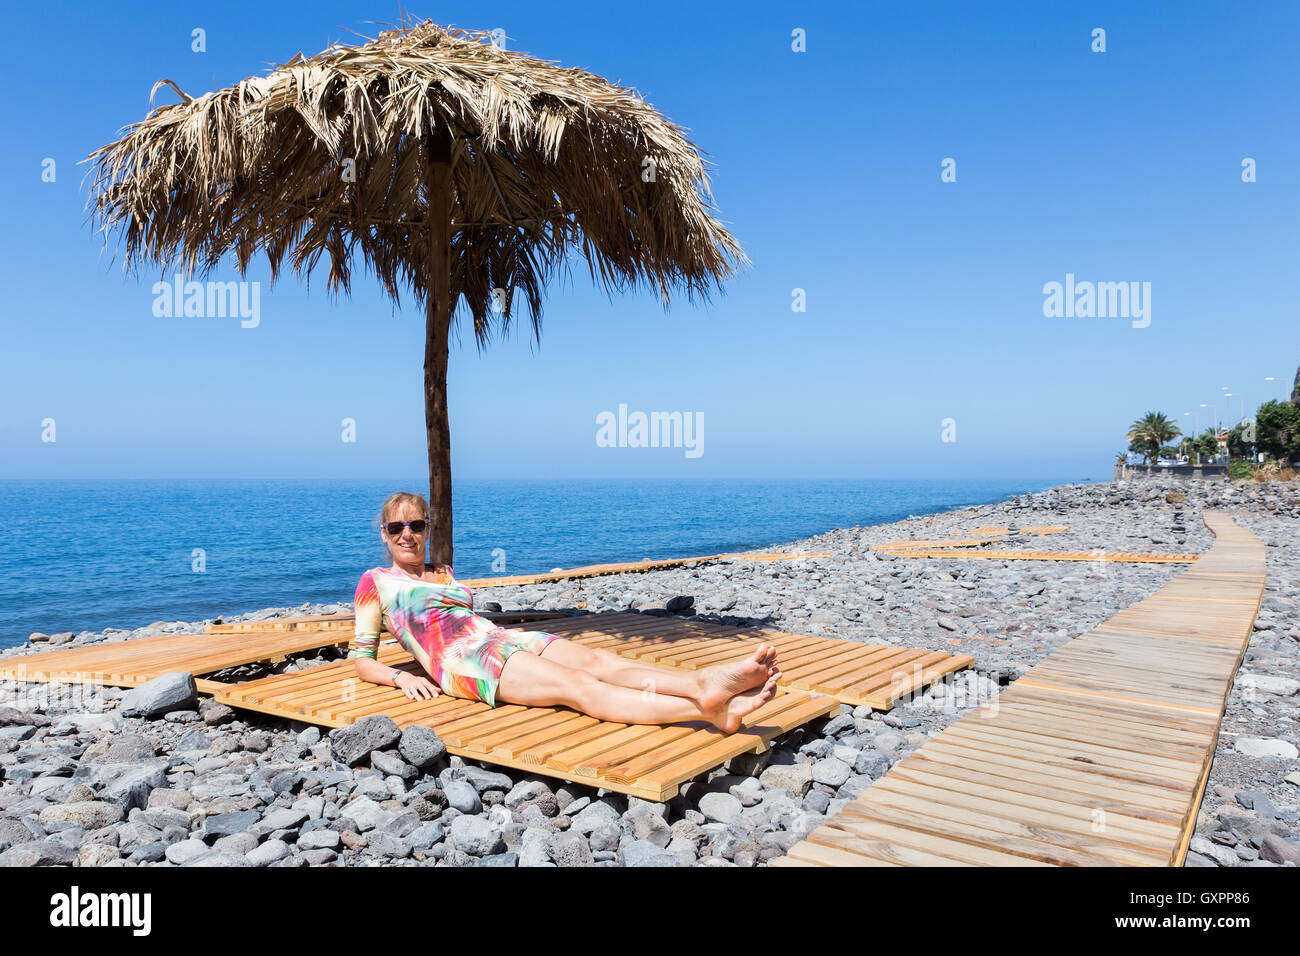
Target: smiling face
[{"x": 406, "y": 548}]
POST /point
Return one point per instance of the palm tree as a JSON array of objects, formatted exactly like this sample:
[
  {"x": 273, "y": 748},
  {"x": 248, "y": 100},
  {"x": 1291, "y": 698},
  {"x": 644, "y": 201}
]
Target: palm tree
[{"x": 1150, "y": 433}]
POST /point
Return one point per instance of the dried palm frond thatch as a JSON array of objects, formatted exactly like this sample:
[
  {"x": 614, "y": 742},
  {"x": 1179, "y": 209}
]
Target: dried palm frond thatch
[{"x": 456, "y": 168}]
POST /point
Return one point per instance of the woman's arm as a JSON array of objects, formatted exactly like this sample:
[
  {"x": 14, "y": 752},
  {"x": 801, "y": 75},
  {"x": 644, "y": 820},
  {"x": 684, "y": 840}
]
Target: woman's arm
[{"x": 365, "y": 647}]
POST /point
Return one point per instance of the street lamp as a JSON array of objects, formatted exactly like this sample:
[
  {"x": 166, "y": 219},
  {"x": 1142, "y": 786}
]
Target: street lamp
[
  {"x": 1194, "y": 428},
  {"x": 1214, "y": 417}
]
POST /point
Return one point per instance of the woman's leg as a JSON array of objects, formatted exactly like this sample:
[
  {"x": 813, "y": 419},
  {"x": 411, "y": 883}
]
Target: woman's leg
[
  {"x": 708, "y": 686},
  {"x": 535, "y": 681}
]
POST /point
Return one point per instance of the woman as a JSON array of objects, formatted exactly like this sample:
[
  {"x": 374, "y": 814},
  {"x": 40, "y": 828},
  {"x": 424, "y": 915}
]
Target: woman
[{"x": 470, "y": 657}]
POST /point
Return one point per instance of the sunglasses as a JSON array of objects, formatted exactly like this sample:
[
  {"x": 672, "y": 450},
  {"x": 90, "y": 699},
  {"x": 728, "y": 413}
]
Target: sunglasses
[{"x": 394, "y": 528}]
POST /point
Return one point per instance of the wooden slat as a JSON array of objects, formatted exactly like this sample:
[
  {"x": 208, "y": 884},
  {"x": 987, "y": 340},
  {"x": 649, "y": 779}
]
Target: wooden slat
[
  {"x": 853, "y": 672},
  {"x": 648, "y": 761},
  {"x": 1098, "y": 755},
  {"x": 130, "y": 663},
  {"x": 1124, "y": 557}
]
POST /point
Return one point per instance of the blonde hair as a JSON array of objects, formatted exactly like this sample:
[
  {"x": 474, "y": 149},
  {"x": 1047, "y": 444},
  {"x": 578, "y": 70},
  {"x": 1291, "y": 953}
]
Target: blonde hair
[{"x": 394, "y": 503}]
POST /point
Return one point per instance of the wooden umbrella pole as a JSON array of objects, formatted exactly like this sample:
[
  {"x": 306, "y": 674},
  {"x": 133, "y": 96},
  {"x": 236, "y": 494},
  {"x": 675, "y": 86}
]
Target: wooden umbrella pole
[{"x": 437, "y": 320}]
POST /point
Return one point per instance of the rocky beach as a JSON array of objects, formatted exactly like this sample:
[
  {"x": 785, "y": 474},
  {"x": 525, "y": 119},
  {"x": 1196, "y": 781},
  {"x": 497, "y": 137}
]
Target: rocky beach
[{"x": 159, "y": 776}]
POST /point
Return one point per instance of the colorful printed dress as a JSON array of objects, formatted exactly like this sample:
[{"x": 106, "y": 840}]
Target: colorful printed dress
[{"x": 436, "y": 624}]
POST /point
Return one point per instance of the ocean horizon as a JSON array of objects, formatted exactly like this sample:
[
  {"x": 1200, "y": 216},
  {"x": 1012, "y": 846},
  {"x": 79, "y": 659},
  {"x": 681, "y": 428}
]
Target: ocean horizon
[{"x": 91, "y": 554}]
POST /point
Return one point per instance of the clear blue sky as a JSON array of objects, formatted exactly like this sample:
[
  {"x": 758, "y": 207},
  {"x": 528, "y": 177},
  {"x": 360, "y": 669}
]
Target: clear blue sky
[{"x": 924, "y": 298}]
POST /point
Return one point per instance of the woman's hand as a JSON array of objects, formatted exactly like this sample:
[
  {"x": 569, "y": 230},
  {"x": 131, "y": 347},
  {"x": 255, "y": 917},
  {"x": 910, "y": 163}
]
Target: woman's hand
[{"x": 417, "y": 688}]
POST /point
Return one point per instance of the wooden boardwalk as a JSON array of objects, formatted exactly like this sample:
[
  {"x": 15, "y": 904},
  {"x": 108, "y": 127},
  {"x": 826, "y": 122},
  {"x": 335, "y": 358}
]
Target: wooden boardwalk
[
  {"x": 1124, "y": 557},
  {"x": 1097, "y": 756}
]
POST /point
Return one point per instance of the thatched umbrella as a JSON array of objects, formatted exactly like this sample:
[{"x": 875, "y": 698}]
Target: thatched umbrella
[{"x": 459, "y": 169}]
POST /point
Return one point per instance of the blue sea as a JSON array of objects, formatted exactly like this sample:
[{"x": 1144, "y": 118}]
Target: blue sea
[{"x": 86, "y": 555}]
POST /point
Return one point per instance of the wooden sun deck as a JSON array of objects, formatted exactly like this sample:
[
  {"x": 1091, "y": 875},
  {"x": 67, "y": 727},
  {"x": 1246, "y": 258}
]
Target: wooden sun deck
[
  {"x": 933, "y": 543},
  {"x": 851, "y": 671},
  {"x": 131, "y": 663},
  {"x": 1028, "y": 529},
  {"x": 648, "y": 761},
  {"x": 1098, "y": 755},
  {"x": 344, "y": 621}
]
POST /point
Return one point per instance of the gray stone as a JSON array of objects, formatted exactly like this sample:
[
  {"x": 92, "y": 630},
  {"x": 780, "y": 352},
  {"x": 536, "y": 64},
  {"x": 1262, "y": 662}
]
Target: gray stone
[
  {"x": 225, "y": 824},
  {"x": 390, "y": 763},
  {"x": 645, "y": 853},
  {"x": 13, "y": 717},
  {"x": 130, "y": 786},
  {"x": 532, "y": 793},
  {"x": 838, "y": 725},
  {"x": 161, "y": 818},
  {"x": 1266, "y": 747},
  {"x": 872, "y": 763},
  {"x": 533, "y": 847},
  {"x": 426, "y": 835},
  {"x": 351, "y": 745},
  {"x": 89, "y": 814},
  {"x": 174, "y": 691},
  {"x": 476, "y": 836},
  {"x": 239, "y": 843},
  {"x": 1270, "y": 684},
  {"x": 830, "y": 771},
  {"x": 720, "y": 807},
  {"x": 817, "y": 801},
  {"x": 272, "y": 851},
  {"x": 595, "y": 815},
  {"x": 399, "y": 822},
  {"x": 365, "y": 814},
  {"x": 1221, "y": 855},
  {"x": 606, "y": 838},
  {"x": 39, "y": 853},
  {"x": 279, "y": 818},
  {"x": 1274, "y": 849},
  {"x": 186, "y": 850},
  {"x": 462, "y": 796},
  {"x": 796, "y": 778},
  {"x": 421, "y": 746},
  {"x": 645, "y": 824},
  {"x": 887, "y": 741},
  {"x": 575, "y": 806},
  {"x": 484, "y": 780},
  {"x": 569, "y": 849},
  {"x": 215, "y": 858},
  {"x": 214, "y": 714}
]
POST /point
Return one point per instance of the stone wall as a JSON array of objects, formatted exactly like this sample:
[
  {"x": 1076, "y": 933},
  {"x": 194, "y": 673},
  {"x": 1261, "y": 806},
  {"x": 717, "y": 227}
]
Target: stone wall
[{"x": 1170, "y": 471}]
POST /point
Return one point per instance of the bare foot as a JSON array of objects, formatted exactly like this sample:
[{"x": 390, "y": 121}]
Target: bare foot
[
  {"x": 729, "y": 715},
  {"x": 720, "y": 683}
]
